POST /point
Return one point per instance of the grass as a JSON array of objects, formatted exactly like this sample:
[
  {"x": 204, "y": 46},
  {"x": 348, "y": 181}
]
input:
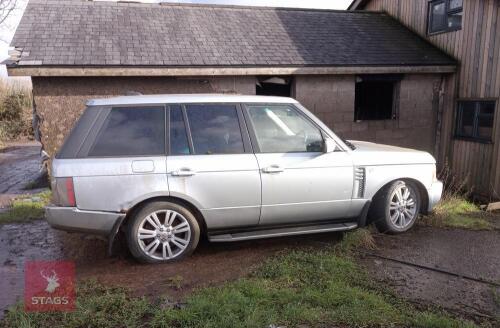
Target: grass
[
  {"x": 317, "y": 288},
  {"x": 26, "y": 208},
  {"x": 457, "y": 212}
]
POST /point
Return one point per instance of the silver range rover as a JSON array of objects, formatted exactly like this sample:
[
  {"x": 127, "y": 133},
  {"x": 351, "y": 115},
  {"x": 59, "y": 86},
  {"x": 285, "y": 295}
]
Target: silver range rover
[{"x": 166, "y": 169}]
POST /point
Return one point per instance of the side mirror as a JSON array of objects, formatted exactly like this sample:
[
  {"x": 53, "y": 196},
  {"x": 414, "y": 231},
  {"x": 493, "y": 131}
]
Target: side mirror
[{"x": 330, "y": 145}]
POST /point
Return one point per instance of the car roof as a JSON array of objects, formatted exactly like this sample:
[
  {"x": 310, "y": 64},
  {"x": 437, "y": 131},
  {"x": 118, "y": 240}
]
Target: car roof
[{"x": 187, "y": 98}]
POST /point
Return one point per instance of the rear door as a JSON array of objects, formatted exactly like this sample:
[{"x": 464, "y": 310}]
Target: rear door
[
  {"x": 211, "y": 164},
  {"x": 123, "y": 159},
  {"x": 300, "y": 183}
]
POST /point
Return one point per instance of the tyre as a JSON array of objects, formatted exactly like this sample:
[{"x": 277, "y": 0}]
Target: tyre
[
  {"x": 162, "y": 232},
  {"x": 396, "y": 207}
]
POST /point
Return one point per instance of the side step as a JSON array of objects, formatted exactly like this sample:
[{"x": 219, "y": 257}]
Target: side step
[{"x": 279, "y": 232}]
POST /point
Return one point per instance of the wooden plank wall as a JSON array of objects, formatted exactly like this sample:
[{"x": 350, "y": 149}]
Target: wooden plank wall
[{"x": 477, "y": 48}]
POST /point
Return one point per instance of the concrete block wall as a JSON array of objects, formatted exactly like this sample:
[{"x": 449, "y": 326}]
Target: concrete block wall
[
  {"x": 60, "y": 101},
  {"x": 331, "y": 98}
]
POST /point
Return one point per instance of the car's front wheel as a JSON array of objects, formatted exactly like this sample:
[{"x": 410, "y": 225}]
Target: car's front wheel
[
  {"x": 162, "y": 232},
  {"x": 396, "y": 208}
]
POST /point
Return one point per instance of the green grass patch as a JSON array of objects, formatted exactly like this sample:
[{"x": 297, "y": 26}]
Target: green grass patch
[
  {"x": 457, "y": 212},
  {"x": 26, "y": 208},
  {"x": 317, "y": 288},
  {"x": 97, "y": 306}
]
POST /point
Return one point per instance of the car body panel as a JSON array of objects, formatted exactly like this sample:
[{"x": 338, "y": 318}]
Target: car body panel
[
  {"x": 311, "y": 187},
  {"x": 113, "y": 184},
  {"x": 225, "y": 188}
]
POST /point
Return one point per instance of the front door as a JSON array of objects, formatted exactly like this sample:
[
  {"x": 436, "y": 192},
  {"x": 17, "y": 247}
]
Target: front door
[
  {"x": 211, "y": 164},
  {"x": 300, "y": 183}
]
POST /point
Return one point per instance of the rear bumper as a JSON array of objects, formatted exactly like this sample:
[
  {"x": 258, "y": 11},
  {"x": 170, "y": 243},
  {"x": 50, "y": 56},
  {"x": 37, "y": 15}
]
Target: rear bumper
[
  {"x": 73, "y": 219},
  {"x": 434, "y": 192}
]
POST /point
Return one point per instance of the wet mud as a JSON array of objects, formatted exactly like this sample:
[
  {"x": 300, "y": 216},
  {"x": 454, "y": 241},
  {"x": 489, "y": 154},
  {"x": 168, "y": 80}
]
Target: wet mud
[{"x": 474, "y": 254}]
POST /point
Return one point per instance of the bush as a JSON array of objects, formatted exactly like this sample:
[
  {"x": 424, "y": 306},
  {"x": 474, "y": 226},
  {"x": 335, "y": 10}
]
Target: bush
[{"x": 15, "y": 111}]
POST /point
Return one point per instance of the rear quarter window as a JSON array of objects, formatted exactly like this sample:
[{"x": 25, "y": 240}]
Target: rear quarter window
[{"x": 131, "y": 131}]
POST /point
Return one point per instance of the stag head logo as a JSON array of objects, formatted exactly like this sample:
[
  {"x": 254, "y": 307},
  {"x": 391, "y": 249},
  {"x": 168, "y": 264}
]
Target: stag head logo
[{"x": 52, "y": 281}]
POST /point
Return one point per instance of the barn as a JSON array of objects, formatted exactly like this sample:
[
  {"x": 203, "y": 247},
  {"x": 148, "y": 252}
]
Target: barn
[{"x": 366, "y": 75}]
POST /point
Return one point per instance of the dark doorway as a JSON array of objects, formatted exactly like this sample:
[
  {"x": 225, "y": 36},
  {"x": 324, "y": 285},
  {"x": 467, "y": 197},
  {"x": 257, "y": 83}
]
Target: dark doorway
[{"x": 274, "y": 86}]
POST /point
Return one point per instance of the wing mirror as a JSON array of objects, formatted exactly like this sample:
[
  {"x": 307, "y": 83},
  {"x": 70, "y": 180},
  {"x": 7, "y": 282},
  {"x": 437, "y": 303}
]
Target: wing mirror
[{"x": 329, "y": 146}]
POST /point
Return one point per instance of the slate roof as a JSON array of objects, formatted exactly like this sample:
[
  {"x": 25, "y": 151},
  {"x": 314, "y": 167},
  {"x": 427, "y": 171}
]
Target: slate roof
[{"x": 83, "y": 33}]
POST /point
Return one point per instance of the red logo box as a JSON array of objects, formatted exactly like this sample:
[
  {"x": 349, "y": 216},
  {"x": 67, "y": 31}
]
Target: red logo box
[{"x": 49, "y": 286}]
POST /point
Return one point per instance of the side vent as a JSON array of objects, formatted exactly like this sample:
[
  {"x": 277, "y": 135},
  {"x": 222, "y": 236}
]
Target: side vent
[{"x": 359, "y": 182}]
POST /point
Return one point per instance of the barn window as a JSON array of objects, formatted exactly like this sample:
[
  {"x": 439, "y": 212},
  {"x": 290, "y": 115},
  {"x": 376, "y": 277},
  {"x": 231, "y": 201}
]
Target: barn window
[
  {"x": 445, "y": 16},
  {"x": 374, "y": 97},
  {"x": 474, "y": 120},
  {"x": 274, "y": 86}
]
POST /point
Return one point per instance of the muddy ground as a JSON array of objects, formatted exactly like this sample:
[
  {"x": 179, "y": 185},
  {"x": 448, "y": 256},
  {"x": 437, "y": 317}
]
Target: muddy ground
[
  {"x": 468, "y": 254},
  {"x": 20, "y": 164},
  {"x": 473, "y": 254},
  {"x": 211, "y": 263}
]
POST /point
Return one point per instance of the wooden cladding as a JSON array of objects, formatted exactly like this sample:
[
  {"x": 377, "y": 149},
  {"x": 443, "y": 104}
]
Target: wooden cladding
[
  {"x": 476, "y": 45},
  {"x": 477, "y": 48}
]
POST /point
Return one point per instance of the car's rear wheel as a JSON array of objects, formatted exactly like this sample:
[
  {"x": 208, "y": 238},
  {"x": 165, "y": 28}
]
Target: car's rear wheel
[
  {"x": 396, "y": 208},
  {"x": 162, "y": 232}
]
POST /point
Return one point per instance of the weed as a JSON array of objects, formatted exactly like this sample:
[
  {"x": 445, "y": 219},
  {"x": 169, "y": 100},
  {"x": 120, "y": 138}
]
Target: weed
[
  {"x": 26, "y": 208},
  {"x": 457, "y": 212}
]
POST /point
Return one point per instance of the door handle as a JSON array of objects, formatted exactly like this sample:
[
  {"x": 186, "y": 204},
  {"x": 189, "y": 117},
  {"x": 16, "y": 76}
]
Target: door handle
[
  {"x": 273, "y": 169},
  {"x": 183, "y": 172}
]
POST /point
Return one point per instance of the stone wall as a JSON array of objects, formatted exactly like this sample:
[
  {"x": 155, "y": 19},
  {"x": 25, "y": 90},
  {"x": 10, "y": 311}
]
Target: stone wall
[{"x": 331, "y": 98}]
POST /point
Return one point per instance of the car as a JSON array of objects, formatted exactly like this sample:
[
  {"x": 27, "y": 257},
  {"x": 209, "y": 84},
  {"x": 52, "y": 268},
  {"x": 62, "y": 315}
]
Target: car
[{"x": 168, "y": 169}]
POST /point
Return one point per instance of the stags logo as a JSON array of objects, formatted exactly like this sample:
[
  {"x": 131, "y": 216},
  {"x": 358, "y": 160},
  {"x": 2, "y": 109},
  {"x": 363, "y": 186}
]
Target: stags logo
[
  {"x": 49, "y": 286},
  {"x": 52, "y": 283}
]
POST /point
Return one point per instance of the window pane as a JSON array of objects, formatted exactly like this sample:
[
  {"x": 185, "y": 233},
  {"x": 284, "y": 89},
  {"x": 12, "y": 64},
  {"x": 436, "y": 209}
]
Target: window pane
[
  {"x": 215, "y": 129},
  {"x": 178, "y": 137},
  {"x": 437, "y": 16},
  {"x": 466, "y": 115},
  {"x": 454, "y": 4},
  {"x": 455, "y": 21},
  {"x": 485, "y": 119},
  {"x": 132, "y": 132},
  {"x": 281, "y": 129}
]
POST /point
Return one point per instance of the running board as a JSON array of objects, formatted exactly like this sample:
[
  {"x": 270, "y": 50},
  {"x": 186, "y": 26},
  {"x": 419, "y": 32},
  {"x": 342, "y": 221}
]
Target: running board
[{"x": 279, "y": 232}]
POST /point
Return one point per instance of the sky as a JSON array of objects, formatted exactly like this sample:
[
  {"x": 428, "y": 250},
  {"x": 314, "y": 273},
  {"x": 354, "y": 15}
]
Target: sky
[{"x": 7, "y": 31}]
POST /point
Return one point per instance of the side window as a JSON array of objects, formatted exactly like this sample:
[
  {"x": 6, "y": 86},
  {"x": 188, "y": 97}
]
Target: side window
[
  {"x": 215, "y": 129},
  {"x": 131, "y": 131},
  {"x": 281, "y": 129},
  {"x": 475, "y": 120},
  {"x": 445, "y": 15},
  {"x": 179, "y": 144}
]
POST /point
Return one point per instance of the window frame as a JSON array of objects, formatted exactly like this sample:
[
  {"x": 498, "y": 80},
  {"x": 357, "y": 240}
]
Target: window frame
[
  {"x": 253, "y": 135},
  {"x": 447, "y": 12},
  {"x": 247, "y": 146},
  {"x": 101, "y": 119},
  {"x": 474, "y": 137},
  {"x": 395, "y": 79}
]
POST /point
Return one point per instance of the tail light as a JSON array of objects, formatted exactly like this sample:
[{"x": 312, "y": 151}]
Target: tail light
[{"x": 64, "y": 192}]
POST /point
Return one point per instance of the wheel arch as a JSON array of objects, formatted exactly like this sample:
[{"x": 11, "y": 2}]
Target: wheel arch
[
  {"x": 424, "y": 196},
  {"x": 190, "y": 206}
]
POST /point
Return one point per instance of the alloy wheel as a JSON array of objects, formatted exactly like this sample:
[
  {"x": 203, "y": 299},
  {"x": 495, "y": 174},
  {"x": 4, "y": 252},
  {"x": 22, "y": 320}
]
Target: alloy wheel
[
  {"x": 164, "y": 234},
  {"x": 403, "y": 206}
]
